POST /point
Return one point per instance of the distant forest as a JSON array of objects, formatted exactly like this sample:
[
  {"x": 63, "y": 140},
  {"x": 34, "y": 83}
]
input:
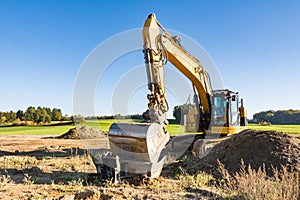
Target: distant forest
[
  {"x": 42, "y": 115},
  {"x": 36, "y": 115},
  {"x": 278, "y": 117}
]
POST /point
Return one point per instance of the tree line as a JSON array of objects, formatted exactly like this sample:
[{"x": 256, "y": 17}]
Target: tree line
[
  {"x": 46, "y": 115},
  {"x": 36, "y": 115},
  {"x": 278, "y": 117}
]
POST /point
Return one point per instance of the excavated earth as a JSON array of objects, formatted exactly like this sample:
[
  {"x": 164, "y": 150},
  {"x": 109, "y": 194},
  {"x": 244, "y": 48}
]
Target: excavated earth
[
  {"x": 83, "y": 132},
  {"x": 259, "y": 149}
]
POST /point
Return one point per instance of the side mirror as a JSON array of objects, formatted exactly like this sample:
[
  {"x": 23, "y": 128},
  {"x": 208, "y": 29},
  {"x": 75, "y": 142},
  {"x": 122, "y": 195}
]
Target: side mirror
[{"x": 233, "y": 98}]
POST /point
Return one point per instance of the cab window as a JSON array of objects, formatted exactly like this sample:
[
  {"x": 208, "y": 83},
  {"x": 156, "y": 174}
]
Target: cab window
[{"x": 219, "y": 110}]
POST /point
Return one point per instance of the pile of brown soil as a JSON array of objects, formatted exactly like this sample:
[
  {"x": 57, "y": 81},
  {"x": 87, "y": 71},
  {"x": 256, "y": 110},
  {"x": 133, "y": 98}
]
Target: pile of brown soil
[
  {"x": 83, "y": 132},
  {"x": 269, "y": 149}
]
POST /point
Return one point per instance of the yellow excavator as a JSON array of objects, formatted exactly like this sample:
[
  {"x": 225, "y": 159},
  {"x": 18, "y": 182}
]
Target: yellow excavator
[{"x": 138, "y": 148}]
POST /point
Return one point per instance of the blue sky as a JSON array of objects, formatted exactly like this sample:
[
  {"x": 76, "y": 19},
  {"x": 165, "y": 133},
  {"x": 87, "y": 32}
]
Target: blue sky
[{"x": 255, "y": 45}]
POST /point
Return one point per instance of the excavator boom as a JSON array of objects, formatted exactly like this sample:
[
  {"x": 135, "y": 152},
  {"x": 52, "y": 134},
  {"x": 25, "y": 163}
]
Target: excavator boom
[{"x": 159, "y": 47}]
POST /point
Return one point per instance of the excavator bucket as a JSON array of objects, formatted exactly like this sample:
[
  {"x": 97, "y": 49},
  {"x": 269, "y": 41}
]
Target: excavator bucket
[{"x": 135, "y": 149}]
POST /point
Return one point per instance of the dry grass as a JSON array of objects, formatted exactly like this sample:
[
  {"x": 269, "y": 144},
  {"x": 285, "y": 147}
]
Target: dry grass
[
  {"x": 247, "y": 184},
  {"x": 196, "y": 181},
  {"x": 251, "y": 184},
  {"x": 22, "y": 183},
  {"x": 5, "y": 180}
]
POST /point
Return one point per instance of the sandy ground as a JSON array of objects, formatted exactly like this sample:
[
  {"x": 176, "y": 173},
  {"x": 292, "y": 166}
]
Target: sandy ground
[
  {"x": 40, "y": 167},
  {"x": 44, "y": 167}
]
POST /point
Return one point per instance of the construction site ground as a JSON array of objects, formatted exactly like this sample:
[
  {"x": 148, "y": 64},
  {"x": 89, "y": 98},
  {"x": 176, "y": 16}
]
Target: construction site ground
[
  {"x": 45, "y": 167},
  {"x": 41, "y": 167}
]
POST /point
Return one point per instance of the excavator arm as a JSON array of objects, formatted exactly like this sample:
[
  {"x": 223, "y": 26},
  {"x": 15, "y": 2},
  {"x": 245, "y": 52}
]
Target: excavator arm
[{"x": 159, "y": 47}]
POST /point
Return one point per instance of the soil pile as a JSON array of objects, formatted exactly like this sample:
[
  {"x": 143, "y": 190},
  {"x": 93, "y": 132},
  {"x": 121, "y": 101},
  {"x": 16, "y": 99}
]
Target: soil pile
[
  {"x": 83, "y": 132},
  {"x": 270, "y": 149}
]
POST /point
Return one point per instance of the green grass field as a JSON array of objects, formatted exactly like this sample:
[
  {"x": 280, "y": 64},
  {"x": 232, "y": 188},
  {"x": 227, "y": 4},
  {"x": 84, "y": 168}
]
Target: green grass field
[
  {"x": 294, "y": 129},
  {"x": 34, "y": 130},
  {"x": 280, "y": 128},
  {"x": 55, "y": 130},
  {"x": 105, "y": 124}
]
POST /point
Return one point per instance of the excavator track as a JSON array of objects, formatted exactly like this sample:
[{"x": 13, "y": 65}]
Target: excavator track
[{"x": 198, "y": 144}]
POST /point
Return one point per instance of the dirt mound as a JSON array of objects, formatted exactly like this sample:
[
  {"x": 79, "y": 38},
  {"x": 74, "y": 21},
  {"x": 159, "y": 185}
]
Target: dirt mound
[
  {"x": 83, "y": 132},
  {"x": 257, "y": 148}
]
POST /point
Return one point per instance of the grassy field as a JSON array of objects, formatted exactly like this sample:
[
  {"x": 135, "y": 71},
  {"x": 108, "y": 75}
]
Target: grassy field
[
  {"x": 105, "y": 124},
  {"x": 34, "y": 130},
  {"x": 294, "y": 129},
  {"x": 280, "y": 128},
  {"x": 178, "y": 129}
]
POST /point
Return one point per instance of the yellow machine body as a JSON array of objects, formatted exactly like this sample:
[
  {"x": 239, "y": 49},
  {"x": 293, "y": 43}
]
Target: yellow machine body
[{"x": 137, "y": 148}]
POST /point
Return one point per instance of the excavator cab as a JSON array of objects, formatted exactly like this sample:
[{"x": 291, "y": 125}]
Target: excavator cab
[{"x": 225, "y": 117}]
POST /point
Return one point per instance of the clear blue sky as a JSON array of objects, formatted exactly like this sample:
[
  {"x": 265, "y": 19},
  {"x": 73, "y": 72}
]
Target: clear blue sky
[{"x": 255, "y": 45}]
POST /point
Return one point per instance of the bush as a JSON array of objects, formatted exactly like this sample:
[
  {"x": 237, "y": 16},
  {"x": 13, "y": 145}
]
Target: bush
[
  {"x": 264, "y": 123},
  {"x": 78, "y": 119},
  {"x": 29, "y": 123},
  {"x": 17, "y": 122}
]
